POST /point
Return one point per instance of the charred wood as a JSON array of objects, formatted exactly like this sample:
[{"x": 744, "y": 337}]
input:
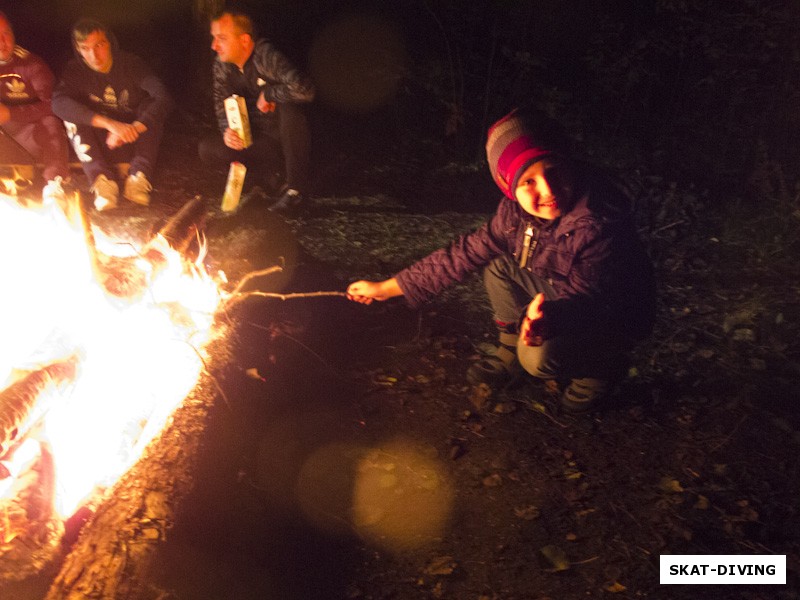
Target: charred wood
[{"x": 25, "y": 401}]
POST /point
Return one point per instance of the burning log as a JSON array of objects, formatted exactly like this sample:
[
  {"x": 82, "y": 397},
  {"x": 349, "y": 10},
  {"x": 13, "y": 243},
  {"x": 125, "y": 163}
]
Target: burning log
[
  {"x": 127, "y": 277},
  {"x": 184, "y": 226},
  {"x": 30, "y": 532},
  {"x": 118, "y": 546},
  {"x": 20, "y": 403}
]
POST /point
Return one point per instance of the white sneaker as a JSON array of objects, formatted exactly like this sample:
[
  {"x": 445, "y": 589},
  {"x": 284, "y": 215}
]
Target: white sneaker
[
  {"x": 53, "y": 192},
  {"x": 138, "y": 188},
  {"x": 106, "y": 193}
]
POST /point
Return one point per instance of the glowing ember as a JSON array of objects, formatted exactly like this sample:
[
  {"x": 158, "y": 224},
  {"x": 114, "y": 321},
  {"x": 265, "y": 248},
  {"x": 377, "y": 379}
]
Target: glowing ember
[{"x": 138, "y": 356}]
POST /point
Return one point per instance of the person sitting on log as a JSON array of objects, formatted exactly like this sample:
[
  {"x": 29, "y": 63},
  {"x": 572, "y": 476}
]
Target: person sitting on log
[
  {"x": 274, "y": 92},
  {"x": 569, "y": 282},
  {"x": 26, "y": 114},
  {"x": 114, "y": 108}
]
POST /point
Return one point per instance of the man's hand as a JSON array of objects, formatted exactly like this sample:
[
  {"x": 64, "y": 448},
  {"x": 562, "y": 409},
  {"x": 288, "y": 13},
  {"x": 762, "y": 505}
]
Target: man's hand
[
  {"x": 119, "y": 133},
  {"x": 533, "y": 331},
  {"x": 232, "y": 140},
  {"x": 264, "y": 105},
  {"x": 127, "y": 133},
  {"x": 365, "y": 292}
]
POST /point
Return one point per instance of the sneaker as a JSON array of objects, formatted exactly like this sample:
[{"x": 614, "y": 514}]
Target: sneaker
[
  {"x": 53, "y": 192},
  {"x": 290, "y": 201},
  {"x": 498, "y": 367},
  {"x": 106, "y": 193},
  {"x": 584, "y": 394},
  {"x": 497, "y": 370},
  {"x": 138, "y": 188}
]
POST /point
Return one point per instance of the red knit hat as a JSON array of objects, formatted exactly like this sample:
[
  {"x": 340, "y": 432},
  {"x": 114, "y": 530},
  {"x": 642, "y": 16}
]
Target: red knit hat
[{"x": 510, "y": 149}]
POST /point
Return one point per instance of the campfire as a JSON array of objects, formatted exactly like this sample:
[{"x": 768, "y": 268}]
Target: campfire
[{"x": 102, "y": 340}]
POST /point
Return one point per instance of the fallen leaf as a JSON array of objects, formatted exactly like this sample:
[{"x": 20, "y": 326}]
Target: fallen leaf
[
  {"x": 492, "y": 480},
  {"x": 253, "y": 373},
  {"x": 557, "y": 557},
  {"x": 539, "y": 407},
  {"x": 616, "y": 587},
  {"x": 504, "y": 408},
  {"x": 441, "y": 565},
  {"x": 527, "y": 513},
  {"x": 438, "y": 590},
  {"x": 457, "y": 450},
  {"x": 672, "y": 486},
  {"x": 702, "y": 503}
]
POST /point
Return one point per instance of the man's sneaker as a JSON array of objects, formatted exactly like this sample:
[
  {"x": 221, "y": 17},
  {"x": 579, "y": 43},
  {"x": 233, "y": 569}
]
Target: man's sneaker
[
  {"x": 290, "y": 201},
  {"x": 106, "y": 193},
  {"x": 138, "y": 188},
  {"x": 53, "y": 192},
  {"x": 584, "y": 394}
]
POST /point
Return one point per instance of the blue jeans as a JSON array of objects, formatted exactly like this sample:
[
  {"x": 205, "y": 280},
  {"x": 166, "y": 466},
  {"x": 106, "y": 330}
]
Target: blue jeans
[{"x": 590, "y": 352}]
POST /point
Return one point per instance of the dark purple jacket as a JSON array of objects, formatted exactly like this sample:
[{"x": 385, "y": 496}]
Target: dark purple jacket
[{"x": 592, "y": 256}]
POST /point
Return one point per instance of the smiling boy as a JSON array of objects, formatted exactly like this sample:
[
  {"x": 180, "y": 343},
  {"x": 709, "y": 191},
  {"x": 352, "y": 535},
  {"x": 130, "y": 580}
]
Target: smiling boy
[{"x": 570, "y": 284}]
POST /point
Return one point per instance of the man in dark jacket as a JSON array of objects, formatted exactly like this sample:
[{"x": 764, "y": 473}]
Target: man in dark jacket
[
  {"x": 570, "y": 284},
  {"x": 274, "y": 91},
  {"x": 26, "y": 89},
  {"x": 114, "y": 108}
]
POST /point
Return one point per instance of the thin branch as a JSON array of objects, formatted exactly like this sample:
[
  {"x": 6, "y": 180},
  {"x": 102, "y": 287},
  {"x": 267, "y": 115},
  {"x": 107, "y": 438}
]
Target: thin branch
[
  {"x": 291, "y": 296},
  {"x": 253, "y": 275}
]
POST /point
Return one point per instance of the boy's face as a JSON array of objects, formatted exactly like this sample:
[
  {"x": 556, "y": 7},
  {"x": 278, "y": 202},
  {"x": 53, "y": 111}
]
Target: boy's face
[
  {"x": 96, "y": 51},
  {"x": 539, "y": 191}
]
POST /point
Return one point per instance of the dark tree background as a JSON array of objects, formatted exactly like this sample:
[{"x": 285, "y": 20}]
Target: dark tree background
[{"x": 701, "y": 91}]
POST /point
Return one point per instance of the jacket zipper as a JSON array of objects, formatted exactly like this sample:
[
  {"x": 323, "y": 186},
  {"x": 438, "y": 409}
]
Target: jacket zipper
[{"x": 528, "y": 245}]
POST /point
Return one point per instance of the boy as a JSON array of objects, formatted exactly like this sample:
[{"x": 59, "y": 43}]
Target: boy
[{"x": 570, "y": 284}]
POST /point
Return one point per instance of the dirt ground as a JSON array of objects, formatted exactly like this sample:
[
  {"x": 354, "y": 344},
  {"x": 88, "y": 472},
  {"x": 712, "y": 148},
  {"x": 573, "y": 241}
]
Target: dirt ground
[{"x": 350, "y": 459}]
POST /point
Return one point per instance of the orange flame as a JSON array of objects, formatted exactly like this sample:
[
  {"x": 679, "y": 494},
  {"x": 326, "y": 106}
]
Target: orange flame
[{"x": 139, "y": 358}]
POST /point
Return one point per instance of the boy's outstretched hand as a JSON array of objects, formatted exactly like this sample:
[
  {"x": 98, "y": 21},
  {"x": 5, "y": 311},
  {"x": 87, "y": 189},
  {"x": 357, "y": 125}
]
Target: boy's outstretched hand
[{"x": 367, "y": 291}]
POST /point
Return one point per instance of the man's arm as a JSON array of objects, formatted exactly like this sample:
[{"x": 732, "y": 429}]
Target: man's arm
[
  {"x": 66, "y": 99},
  {"x": 283, "y": 81}
]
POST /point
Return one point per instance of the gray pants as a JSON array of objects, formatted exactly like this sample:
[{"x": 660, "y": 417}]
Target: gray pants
[{"x": 588, "y": 352}]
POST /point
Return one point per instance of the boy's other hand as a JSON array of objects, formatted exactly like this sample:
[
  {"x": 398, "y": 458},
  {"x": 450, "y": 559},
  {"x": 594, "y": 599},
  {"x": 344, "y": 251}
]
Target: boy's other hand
[{"x": 533, "y": 331}]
